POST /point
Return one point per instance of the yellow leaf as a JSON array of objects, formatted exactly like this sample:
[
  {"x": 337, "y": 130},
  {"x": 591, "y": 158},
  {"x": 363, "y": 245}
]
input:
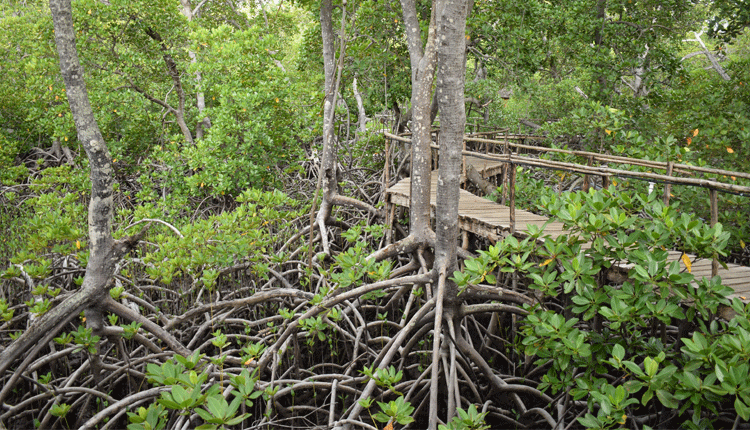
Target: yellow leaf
[
  {"x": 686, "y": 261},
  {"x": 742, "y": 244},
  {"x": 689, "y": 140},
  {"x": 695, "y": 132},
  {"x": 730, "y": 150},
  {"x": 608, "y": 131},
  {"x": 734, "y": 178},
  {"x": 546, "y": 262},
  {"x": 78, "y": 244}
]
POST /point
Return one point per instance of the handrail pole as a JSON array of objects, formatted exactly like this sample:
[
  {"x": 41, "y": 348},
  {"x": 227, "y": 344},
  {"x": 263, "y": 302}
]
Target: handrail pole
[
  {"x": 463, "y": 163},
  {"x": 586, "y": 177},
  {"x": 714, "y": 219},
  {"x": 506, "y": 171},
  {"x": 668, "y": 186},
  {"x": 512, "y": 198},
  {"x": 387, "y": 199}
]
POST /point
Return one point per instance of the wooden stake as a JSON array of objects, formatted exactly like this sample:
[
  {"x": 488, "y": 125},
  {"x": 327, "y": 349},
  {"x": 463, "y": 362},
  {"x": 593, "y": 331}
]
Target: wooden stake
[
  {"x": 587, "y": 178},
  {"x": 668, "y": 186},
  {"x": 463, "y": 163},
  {"x": 512, "y": 191},
  {"x": 714, "y": 220}
]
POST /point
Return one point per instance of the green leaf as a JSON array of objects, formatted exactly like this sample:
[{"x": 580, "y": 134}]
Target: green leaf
[
  {"x": 667, "y": 399},
  {"x": 618, "y": 352},
  {"x": 742, "y": 409}
]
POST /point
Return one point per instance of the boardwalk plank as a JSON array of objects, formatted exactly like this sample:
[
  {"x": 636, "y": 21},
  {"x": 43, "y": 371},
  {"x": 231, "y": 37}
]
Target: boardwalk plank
[{"x": 492, "y": 221}]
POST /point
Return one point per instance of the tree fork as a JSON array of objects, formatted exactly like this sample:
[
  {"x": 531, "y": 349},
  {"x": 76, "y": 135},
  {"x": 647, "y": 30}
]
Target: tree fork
[{"x": 105, "y": 251}]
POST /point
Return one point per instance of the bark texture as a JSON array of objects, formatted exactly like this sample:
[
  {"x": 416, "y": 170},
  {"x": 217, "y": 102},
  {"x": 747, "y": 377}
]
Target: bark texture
[
  {"x": 450, "y": 95},
  {"x": 423, "y": 63},
  {"x": 450, "y": 90},
  {"x": 328, "y": 171},
  {"x": 105, "y": 251}
]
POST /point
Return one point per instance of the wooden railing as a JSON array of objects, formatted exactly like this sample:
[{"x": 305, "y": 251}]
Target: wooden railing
[{"x": 670, "y": 177}]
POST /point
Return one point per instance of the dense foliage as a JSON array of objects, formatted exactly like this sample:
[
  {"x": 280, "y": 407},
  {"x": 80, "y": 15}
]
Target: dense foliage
[{"x": 213, "y": 120}]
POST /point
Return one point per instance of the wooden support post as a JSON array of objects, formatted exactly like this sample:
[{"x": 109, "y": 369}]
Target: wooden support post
[
  {"x": 668, "y": 186},
  {"x": 435, "y": 153},
  {"x": 605, "y": 181},
  {"x": 512, "y": 191},
  {"x": 390, "y": 209},
  {"x": 386, "y": 182},
  {"x": 506, "y": 172},
  {"x": 586, "y": 177},
  {"x": 463, "y": 164},
  {"x": 387, "y": 168},
  {"x": 714, "y": 219}
]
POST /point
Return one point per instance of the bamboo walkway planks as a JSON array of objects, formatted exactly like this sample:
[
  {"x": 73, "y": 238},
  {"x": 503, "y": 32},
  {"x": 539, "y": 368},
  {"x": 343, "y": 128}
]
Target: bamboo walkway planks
[{"x": 492, "y": 221}]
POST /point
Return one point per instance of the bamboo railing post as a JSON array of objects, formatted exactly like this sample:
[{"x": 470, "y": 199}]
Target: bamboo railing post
[
  {"x": 512, "y": 191},
  {"x": 463, "y": 163},
  {"x": 506, "y": 166},
  {"x": 386, "y": 183},
  {"x": 586, "y": 177},
  {"x": 668, "y": 186},
  {"x": 387, "y": 168},
  {"x": 435, "y": 155},
  {"x": 714, "y": 219}
]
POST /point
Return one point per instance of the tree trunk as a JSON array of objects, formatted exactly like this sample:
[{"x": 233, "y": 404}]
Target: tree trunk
[
  {"x": 105, "y": 252},
  {"x": 475, "y": 178},
  {"x": 423, "y": 63},
  {"x": 327, "y": 181},
  {"x": 450, "y": 88},
  {"x": 205, "y": 122},
  {"x": 174, "y": 73},
  {"x": 450, "y": 95},
  {"x": 601, "y": 16}
]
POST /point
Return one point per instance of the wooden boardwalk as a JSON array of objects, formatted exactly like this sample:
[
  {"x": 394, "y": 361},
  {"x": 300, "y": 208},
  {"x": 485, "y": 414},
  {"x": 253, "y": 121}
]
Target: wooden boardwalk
[{"x": 492, "y": 221}]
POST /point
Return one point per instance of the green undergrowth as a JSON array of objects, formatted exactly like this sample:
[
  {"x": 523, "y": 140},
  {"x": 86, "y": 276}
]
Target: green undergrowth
[{"x": 651, "y": 344}]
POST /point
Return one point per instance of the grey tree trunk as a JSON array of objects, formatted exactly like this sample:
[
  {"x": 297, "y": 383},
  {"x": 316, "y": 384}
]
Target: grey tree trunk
[
  {"x": 450, "y": 95},
  {"x": 423, "y": 63},
  {"x": 328, "y": 174},
  {"x": 450, "y": 89},
  {"x": 189, "y": 12},
  {"x": 105, "y": 251},
  {"x": 174, "y": 73}
]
